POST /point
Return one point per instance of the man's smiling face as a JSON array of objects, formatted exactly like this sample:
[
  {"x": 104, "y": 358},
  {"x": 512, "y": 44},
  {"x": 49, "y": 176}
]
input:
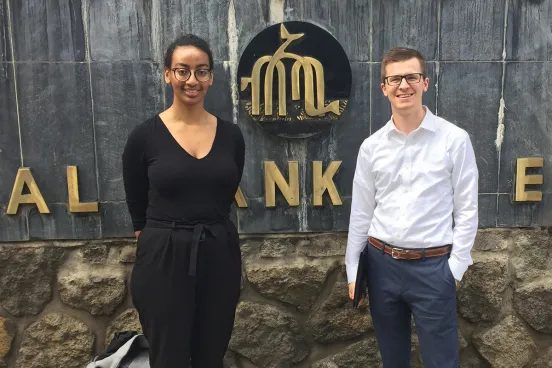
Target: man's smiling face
[{"x": 405, "y": 96}]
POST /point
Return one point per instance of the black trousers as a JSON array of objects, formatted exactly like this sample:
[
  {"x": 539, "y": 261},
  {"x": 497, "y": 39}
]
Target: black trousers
[{"x": 185, "y": 286}]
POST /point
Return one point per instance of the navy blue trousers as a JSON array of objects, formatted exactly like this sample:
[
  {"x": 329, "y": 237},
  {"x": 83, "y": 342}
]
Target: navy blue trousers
[{"x": 426, "y": 289}]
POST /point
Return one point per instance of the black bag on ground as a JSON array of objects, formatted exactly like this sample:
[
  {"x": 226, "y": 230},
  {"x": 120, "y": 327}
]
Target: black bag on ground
[{"x": 127, "y": 349}]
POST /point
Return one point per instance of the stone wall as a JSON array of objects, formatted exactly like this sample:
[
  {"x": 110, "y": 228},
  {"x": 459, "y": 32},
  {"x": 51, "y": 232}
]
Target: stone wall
[
  {"x": 61, "y": 302},
  {"x": 76, "y": 76}
]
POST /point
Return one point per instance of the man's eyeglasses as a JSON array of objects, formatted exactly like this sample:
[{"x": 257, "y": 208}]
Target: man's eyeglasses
[
  {"x": 395, "y": 80},
  {"x": 183, "y": 74}
]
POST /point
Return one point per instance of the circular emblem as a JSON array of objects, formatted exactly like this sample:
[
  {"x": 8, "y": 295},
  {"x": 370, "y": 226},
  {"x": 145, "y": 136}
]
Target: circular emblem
[{"x": 294, "y": 79}]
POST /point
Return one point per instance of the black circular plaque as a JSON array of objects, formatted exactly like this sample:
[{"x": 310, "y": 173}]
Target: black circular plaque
[{"x": 294, "y": 79}]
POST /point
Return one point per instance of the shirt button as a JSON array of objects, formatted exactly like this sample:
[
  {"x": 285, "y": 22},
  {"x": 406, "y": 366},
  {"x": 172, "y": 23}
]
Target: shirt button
[
  {"x": 405, "y": 191},
  {"x": 404, "y": 214},
  {"x": 398, "y": 236}
]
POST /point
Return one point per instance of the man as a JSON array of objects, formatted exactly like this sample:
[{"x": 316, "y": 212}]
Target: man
[{"x": 414, "y": 179}]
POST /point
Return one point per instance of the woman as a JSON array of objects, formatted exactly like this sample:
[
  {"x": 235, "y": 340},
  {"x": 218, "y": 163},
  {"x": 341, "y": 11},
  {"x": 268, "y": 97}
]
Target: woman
[{"x": 181, "y": 169}]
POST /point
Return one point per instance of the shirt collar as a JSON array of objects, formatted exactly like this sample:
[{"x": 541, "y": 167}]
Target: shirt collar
[{"x": 428, "y": 122}]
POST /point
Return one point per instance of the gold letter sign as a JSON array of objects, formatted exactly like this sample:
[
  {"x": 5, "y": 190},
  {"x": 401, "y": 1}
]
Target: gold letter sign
[
  {"x": 522, "y": 179},
  {"x": 323, "y": 182},
  {"x": 294, "y": 79},
  {"x": 23, "y": 177},
  {"x": 75, "y": 204},
  {"x": 240, "y": 199},
  {"x": 274, "y": 177},
  {"x": 311, "y": 68}
]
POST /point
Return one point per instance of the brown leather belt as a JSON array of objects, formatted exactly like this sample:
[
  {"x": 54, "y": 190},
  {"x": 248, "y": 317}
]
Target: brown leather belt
[{"x": 409, "y": 254}]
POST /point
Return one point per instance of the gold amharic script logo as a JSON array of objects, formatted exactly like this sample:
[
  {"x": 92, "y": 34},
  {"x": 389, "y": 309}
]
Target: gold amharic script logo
[{"x": 311, "y": 67}]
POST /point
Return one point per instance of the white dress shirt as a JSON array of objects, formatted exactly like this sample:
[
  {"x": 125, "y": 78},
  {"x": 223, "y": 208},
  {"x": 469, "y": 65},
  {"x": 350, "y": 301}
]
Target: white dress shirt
[{"x": 408, "y": 189}]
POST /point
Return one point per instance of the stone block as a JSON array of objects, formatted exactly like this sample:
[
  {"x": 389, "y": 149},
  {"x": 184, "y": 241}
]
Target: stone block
[
  {"x": 297, "y": 283},
  {"x": 98, "y": 290},
  {"x": 280, "y": 247},
  {"x": 62, "y": 224},
  {"x": 258, "y": 218},
  {"x": 251, "y": 17},
  {"x": 95, "y": 253},
  {"x": 56, "y": 127},
  {"x": 335, "y": 319},
  {"x": 324, "y": 245},
  {"x": 13, "y": 228},
  {"x": 128, "y": 254},
  {"x": 123, "y": 30},
  {"x": 474, "y": 110},
  {"x": 411, "y": 23},
  {"x": 5, "y": 49},
  {"x": 328, "y": 217},
  {"x": 515, "y": 214},
  {"x": 261, "y": 146},
  {"x": 50, "y": 30},
  {"x": 469, "y": 358},
  {"x": 125, "y": 94},
  {"x": 481, "y": 291},
  {"x": 116, "y": 220},
  {"x": 472, "y": 29},
  {"x": 342, "y": 141},
  {"x": 533, "y": 302},
  {"x": 545, "y": 361},
  {"x": 531, "y": 254},
  {"x": 506, "y": 345},
  {"x": 526, "y": 126},
  {"x": 230, "y": 360},
  {"x": 529, "y": 37},
  {"x": 26, "y": 277},
  {"x": 268, "y": 336},
  {"x": 364, "y": 353},
  {"x": 126, "y": 321},
  {"x": 10, "y": 154},
  {"x": 56, "y": 340},
  {"x": 493, "y": 240},
  {"x": 207, "y": 19},
  {"x": 347, "y": 20},
  {"x": 7, "y": 334},
  {"x": 487, "y": 210}
]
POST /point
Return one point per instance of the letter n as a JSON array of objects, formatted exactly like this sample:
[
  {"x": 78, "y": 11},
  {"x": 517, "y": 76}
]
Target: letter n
[{"x": 274, "y": 177}]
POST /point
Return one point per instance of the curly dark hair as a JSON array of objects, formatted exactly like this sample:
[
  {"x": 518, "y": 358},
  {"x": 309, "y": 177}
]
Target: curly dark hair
[{"x": 188, "y": 40}]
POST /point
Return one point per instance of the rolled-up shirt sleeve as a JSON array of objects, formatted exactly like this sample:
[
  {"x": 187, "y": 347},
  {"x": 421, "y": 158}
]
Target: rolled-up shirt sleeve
[
  {"x": 363, "y": 203},
  {"x": 465, "y": 178}
]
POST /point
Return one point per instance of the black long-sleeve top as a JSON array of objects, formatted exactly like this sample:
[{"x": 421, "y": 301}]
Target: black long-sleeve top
[{"x": 163, "y": 181}]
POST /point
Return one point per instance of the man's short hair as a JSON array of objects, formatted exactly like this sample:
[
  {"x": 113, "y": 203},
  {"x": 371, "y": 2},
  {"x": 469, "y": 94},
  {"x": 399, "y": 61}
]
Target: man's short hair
[{"x": 397, "y": 54}]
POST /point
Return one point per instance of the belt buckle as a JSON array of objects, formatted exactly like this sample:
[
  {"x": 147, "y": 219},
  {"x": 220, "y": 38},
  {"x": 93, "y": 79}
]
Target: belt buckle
[{"x": 393, "y": 254}]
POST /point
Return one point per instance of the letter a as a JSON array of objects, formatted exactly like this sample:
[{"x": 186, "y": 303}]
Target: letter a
[{"x": 23, "y": 177}]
